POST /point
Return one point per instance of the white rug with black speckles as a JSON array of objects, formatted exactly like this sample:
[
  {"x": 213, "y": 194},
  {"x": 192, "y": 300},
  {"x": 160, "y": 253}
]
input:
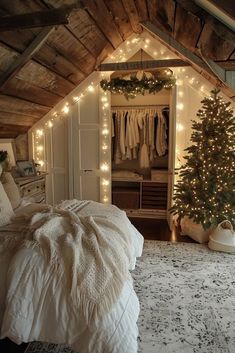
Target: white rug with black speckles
[{"x": 187, "y": 297}]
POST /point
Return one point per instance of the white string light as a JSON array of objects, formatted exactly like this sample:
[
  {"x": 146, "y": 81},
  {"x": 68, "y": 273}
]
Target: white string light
[{"x": 185, "y": 77}]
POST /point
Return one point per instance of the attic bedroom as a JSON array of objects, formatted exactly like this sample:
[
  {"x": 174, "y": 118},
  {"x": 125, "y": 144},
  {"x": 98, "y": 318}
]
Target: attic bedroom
[{"x": 117, "y": 164}]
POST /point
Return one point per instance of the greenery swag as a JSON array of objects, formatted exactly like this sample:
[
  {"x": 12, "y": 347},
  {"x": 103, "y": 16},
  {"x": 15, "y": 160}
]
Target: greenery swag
[{"x": 135, "y": 85}]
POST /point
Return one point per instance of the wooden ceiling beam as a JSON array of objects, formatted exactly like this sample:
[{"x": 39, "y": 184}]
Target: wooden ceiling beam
[
  {"x": 43, "y": 18},
  {"x": 214, "y": 70},
  {"x": 142, "y": 65},
  {"x": 25, "y": 56}
]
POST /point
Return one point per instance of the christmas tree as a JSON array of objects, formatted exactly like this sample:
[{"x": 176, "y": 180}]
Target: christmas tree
[{"x": 205, "y": 191}]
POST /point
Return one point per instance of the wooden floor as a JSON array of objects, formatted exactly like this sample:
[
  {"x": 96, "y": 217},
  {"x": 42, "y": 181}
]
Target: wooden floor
[
  {"x": 155, "y": 229},
  {"x": 151, "y": 229}
]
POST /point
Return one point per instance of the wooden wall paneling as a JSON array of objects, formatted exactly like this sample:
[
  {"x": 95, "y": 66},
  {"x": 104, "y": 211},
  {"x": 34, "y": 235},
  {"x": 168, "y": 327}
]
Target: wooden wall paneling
[
  {"x": 166, "y": 14},
  {"x": 120, "y": 17},
  {"x": 38, "y": 75},
  {"x": 131, "y": 10},
  {"x": 106, "y": 51},
  {"x": 20, "y": 6},
  {"x": 152, "y": 9},
  {"x": 213, "y": 46},
  {"x": 16, "y": 105},
  {"x": 46, "y": 56},
  {"x": 142, "y": 9},
  {"x": 226, "y": 6},
  {"x": 23, "y": 58},
  {"x": 51, "y": 59},
  {"x": 162, "y": 13},
  {"x": 17, "y": 119},
  {"x": 17, "y": 40},
  {"x": 42, "y": 18},
  {"x": 104, "y": 20},
  {"x": 19, "y": 129},
  {"x": 218, "y": 27},
  {"x": 227, "y": 65},
  {"x": 8, "y": 134},
  {"x": 232, "y": 56},
  {"x": 7, "y": 57},
  {"x": 72, "y": 49},
  {"x": 187, "y": 28},
  {"x": 85, "y": 30},
  {"x": 24, "y": 90}
]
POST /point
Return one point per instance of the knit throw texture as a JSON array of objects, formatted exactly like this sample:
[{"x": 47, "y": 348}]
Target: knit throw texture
[{"x": 93, "y": 253}]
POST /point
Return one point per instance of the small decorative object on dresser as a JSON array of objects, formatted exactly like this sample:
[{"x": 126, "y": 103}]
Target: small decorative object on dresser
[
  {"x": 26, "y": 168},
  {"x": 33, "y": 188}
]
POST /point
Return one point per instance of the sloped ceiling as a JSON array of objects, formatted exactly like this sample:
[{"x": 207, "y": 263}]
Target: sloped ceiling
[{"x": 72, "y": 51}]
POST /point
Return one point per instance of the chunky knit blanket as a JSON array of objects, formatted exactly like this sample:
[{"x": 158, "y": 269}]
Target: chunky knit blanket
[{"x": 93, "y": 253}]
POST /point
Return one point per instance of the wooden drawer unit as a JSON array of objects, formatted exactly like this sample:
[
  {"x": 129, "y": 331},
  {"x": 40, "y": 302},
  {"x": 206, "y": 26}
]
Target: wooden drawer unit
[
  {"x": 154, "y": 195},
  {"x": 33, "y": 188}
]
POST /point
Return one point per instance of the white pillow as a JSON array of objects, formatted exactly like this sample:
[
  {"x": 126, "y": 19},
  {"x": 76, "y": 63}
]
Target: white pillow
[
  {"x": 11, "y": 189},
  {"x": 6, "y": 211}
]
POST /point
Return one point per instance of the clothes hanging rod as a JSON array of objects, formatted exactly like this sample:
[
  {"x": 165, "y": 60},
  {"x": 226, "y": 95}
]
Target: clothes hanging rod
[{"x": 139, "y": 106}]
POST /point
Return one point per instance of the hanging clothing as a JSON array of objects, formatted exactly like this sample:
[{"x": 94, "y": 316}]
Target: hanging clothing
[
  {"x": 161, "y": 145},
  {"x": 139, "y": 133},
  {"x": 144, "y": 155}
]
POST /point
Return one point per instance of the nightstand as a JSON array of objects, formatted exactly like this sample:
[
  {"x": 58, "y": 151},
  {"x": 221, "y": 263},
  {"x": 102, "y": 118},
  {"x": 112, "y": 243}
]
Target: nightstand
[{"x": 32, "y": 188}]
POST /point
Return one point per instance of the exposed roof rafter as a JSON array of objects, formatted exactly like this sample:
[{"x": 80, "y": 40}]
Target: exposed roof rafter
[
  {"x": 34, "y": 46},
  {"x": 205, "y": 64},
  {"x": 142, "y": 65},
  {"x": 43, "y": 18}
]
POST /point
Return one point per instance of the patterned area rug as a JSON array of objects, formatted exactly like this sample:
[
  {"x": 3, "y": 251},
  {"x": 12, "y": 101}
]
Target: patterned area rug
[{"x": 187, "y": 296}]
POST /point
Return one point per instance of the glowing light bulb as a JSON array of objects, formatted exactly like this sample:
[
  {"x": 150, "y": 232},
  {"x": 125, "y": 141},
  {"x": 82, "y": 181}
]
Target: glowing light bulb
[
  {"x": 50, "y": 124},
  {"x": 65, "y": 109},
  {"x": 105, "y": 132},
  {"x": 40, "y": 148},
  {"x": 105, "y": 182},
  {"x": 179, "y": 127},
  {"x": 180, "y": 106},
  {"x": 104, "y": 99},
  {"x": 39, "y": 132},
  {"x": 91, "y": 88},
  {"x": 105, "y": 199},
  {"x": 104, "y": 167}
]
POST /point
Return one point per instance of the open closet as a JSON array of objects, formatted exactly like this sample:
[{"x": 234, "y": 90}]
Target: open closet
[{"x": 141, "y": 143}]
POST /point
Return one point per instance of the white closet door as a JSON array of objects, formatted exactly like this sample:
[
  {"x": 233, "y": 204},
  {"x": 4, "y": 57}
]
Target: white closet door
[
  {"x": 171, "y": 157},
  {"x": 85, "y": 148},
  {"x": 59, "y": 161}
]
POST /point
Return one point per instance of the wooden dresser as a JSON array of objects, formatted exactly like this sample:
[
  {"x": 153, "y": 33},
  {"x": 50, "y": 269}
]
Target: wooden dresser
[{"x": 32, "y": 188}]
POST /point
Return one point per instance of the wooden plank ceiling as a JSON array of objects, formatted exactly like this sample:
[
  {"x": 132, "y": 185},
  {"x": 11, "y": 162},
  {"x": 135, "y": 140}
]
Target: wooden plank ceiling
[{"x": 72, "y": 51}]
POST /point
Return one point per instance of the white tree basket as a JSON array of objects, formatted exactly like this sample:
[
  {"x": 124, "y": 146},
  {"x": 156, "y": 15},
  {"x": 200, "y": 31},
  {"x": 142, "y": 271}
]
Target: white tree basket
[{"x": 194, "y": 230}]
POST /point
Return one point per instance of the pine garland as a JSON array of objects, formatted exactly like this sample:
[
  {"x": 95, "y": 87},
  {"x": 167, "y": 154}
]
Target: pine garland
[
  {"x": 130, "y": 88},
  {"x": 205, "y": 191}
]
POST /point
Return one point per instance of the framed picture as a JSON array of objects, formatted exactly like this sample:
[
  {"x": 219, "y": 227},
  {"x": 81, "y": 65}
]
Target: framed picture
[{"x": 26, "y": 168}]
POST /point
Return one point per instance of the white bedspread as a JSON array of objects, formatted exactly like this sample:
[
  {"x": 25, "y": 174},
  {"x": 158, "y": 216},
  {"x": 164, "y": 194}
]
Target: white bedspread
[{"x": 34, "y": 303}]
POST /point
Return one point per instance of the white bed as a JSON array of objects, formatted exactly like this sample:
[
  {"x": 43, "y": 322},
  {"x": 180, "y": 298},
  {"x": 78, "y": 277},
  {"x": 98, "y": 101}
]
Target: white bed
[{"x": 34, "y": 305}]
